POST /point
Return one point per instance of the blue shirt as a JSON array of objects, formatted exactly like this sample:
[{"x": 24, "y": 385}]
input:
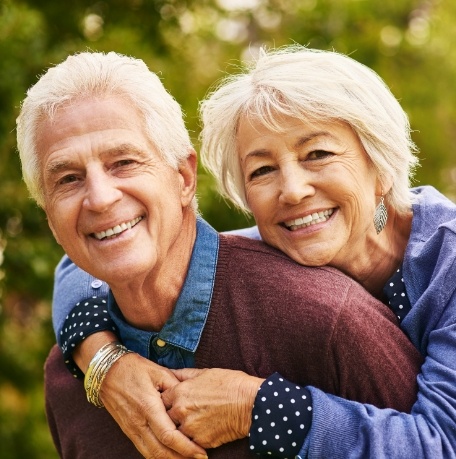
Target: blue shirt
[
  {"x": 345, "y": 429},
  {"x": 174, "y": 345}
]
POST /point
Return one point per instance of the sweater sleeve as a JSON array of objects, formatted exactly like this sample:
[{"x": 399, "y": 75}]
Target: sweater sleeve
[{"x": 346, "y": 429}]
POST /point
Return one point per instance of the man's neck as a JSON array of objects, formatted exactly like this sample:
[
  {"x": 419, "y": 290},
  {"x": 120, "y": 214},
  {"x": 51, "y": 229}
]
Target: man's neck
[{"x": 148, "y": 303}]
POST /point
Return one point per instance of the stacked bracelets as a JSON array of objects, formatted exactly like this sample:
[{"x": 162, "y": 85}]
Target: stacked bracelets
[{"x": 98, "y": 369}]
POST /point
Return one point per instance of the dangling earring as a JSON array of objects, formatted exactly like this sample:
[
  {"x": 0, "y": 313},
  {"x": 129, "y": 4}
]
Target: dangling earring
[{"x": 380, "y": 216}]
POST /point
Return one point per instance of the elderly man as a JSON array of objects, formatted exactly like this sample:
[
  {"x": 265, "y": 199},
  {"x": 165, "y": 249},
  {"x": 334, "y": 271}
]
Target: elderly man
[{"x": 106, "y": 153}]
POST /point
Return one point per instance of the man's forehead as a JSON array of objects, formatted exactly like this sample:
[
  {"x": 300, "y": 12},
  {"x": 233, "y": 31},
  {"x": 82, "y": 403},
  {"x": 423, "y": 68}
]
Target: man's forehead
[{"x": 98, "y": 120}]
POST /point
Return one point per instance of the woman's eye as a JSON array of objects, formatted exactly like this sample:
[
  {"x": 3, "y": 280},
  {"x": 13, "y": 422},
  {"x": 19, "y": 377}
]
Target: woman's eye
[
  {"x": 124, "y": 162},
  {"x": 261, "y": 171},
  {"x": 318, "y": 154}
]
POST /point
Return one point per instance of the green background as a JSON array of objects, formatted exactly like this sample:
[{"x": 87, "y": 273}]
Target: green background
[{"x": 191, "y": 44}]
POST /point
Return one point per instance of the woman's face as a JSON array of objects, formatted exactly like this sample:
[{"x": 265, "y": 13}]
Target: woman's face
[{"x": 312, "y": 189}]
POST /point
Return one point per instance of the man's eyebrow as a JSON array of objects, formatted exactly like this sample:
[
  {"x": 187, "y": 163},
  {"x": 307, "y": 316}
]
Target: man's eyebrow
[
  {"x": 54, "y": 167},
  {"x": 122, "y": 149}
]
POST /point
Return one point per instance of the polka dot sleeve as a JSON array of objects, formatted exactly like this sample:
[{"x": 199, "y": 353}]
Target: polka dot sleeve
[
  {"x": 396, "y": 293},
  {"x": 87, "y": 317},
  {"x": 281, "y": 418}
]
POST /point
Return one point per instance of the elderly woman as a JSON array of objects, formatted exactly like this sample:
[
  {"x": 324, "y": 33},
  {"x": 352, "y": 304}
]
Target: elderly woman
[{"x": 318, "y": 149}]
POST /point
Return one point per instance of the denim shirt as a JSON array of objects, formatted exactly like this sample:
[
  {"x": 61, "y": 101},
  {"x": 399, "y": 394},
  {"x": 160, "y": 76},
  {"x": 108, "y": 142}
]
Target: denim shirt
[{"x": 175, "y": 344}]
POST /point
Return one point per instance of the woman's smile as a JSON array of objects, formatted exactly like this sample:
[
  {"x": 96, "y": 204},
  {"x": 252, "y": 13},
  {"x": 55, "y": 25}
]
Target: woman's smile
[
  {"x": 311, "y": 188},
  {"x": 308, "y": 220}
]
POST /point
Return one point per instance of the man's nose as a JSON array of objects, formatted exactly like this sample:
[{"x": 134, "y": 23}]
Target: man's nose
[{"x": 101, "y": 191}]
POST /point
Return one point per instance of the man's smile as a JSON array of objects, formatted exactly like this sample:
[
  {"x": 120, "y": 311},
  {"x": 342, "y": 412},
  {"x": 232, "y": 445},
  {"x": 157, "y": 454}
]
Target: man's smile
[{"x": 116, "y": 230}]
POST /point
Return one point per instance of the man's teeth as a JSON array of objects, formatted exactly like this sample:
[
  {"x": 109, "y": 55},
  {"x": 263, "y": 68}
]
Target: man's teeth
[
  {"x": 117, "y": 229},
  {"x": 308, "y": 220}
]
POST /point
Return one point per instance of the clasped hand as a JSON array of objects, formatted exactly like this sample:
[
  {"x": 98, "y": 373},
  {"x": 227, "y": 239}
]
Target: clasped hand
[
  {"x": 175, "y": 414},
  {"x": 212, "y": 406}
]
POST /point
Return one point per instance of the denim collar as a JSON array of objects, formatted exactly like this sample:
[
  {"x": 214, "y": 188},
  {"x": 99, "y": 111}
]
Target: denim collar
[{"x": 186, "y": 324}]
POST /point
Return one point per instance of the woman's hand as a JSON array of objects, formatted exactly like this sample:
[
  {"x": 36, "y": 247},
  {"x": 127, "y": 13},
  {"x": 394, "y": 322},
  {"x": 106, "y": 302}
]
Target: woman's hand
[
  {"x": 131, "y": 392},
  {"x": 212, "y": 406}
]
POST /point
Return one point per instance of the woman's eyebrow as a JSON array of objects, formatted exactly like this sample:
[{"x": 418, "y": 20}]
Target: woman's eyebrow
[
  {"x": 307, "y": 138},
  {"x": 258, "y": 153},
  {"x": 302, "y": 140}
]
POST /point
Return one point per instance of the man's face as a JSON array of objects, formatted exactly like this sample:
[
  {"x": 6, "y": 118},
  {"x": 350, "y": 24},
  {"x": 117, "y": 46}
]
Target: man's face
[{"x": 112, "y": 202}]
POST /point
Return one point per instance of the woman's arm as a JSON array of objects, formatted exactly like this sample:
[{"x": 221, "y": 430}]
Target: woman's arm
[
  {"x": 71, "y": 286},
  {"x": 131, "y": 390},
  {"x": 369, "y": 359}
]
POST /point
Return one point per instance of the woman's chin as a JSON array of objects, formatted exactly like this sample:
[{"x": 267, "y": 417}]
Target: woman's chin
[{"x": 308, "y": 257}]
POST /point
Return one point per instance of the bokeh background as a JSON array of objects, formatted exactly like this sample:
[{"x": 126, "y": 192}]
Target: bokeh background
[{"x": 191, "y": 44}]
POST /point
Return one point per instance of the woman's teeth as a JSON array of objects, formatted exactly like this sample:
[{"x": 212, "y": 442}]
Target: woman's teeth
[{"x": 308, "y": 220}]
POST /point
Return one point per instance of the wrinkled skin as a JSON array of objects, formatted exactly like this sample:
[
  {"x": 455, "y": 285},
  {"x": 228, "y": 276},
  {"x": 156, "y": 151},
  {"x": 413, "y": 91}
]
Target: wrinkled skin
[
  {"x": 140, "y": 412},
  {"x": 212, "y": 406}
]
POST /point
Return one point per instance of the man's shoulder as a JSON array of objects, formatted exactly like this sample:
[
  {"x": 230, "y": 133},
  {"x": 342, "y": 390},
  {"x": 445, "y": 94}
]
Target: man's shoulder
[
  {"x": 256, "y": 259},
  {"x": 252, "y": 276},
  {"x": 239, "y": 242}
]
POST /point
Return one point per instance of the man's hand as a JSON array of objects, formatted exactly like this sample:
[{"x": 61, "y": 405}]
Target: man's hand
[
  {"x": 131, "y": 392},
  {"x": 212, "y": 406}
]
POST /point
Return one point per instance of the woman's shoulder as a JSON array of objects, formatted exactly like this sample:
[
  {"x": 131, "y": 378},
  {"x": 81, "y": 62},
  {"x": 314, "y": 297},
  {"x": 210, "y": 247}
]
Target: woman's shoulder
[
  {"x": 428, "y": 201},
  {"x": 250, "y": 232},
  {"x": 433, "y": 213},
  {"x": 431, "y": 251}
]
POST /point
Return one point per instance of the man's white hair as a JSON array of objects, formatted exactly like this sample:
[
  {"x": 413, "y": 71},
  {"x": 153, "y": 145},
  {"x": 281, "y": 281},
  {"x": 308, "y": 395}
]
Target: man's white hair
[{"x": 87, "y": 75}]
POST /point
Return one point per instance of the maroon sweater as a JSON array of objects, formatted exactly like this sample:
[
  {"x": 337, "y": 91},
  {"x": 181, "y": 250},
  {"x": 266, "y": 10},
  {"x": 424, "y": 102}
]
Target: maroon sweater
[{"x": 315, "y": 326}]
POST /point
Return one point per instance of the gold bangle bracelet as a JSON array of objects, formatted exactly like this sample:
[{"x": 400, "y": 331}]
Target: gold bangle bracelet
[{"x": 98, "y": 369}]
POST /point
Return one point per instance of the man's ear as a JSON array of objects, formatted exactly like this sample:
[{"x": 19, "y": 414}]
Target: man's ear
[{"x": 188, "y": 175}]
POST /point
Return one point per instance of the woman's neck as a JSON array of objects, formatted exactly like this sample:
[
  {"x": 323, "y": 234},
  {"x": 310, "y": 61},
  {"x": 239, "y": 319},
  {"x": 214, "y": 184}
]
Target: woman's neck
[{"x": 384, "y": 254}]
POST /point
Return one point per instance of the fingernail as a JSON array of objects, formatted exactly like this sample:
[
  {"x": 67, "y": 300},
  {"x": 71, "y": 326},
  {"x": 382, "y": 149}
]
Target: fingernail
[{"x": 201, "y": 456}]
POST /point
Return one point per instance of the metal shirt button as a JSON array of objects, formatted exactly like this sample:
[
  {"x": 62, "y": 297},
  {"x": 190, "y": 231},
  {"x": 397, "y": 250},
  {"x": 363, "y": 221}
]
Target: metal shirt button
[
  {"x": 160, "y": 343},
  {"x": 97, "y": 283}
]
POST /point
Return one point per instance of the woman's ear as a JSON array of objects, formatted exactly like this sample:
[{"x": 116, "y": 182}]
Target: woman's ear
[{"x": 383, "y": 184}]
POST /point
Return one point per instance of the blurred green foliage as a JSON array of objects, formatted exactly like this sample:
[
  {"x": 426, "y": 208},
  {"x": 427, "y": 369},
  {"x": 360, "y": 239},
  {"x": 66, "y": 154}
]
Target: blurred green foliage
[{"x": 190, "y": 44}]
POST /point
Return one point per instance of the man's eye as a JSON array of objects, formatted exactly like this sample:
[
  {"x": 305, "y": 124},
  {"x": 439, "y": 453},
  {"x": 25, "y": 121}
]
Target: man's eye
[
  {"x": 67, "y": 179},
  {"x": 263, "y": 170}
]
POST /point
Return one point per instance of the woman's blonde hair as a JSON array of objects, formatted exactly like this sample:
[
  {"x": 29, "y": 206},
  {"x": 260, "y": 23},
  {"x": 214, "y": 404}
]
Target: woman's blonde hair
[{"x": 315, "y": 86}]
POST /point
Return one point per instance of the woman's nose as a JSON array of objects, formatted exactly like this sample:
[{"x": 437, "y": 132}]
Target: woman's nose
[
  {"x": 295, "y": 184},
  {"x": 101, "y": 191}
]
